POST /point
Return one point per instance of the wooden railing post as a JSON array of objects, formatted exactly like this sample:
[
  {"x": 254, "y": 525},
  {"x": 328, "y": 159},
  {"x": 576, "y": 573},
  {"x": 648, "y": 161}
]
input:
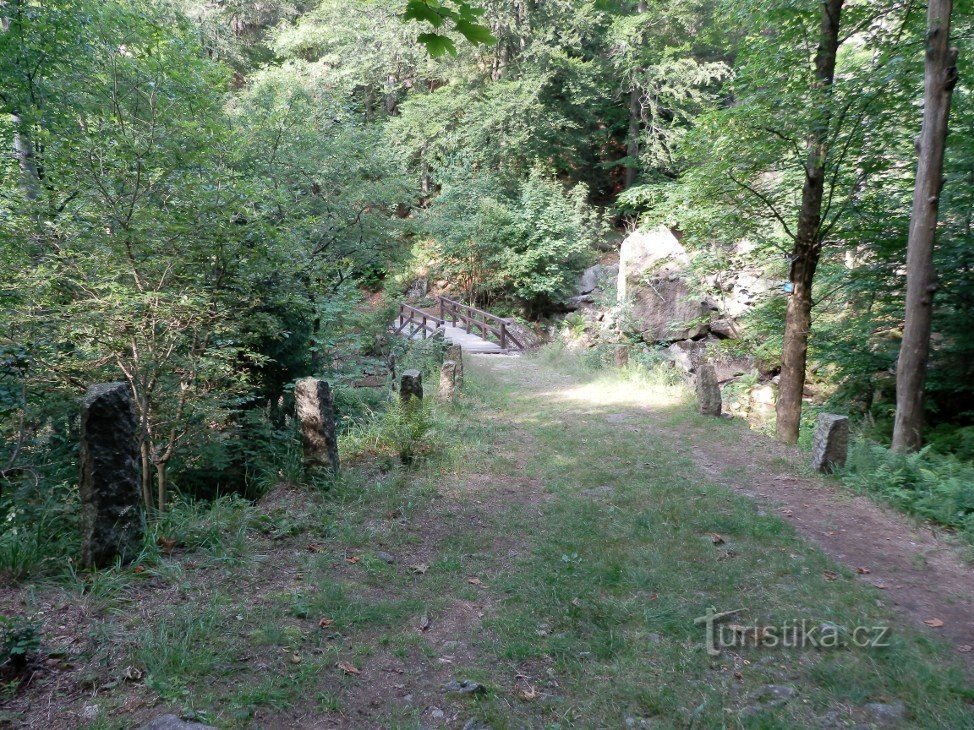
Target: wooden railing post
[{"x": 503, "y": 336}]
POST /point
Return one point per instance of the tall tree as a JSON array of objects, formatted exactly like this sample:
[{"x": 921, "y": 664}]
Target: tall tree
[
  {"x": 635, "y": 122},
  {"x": 940, "y": 76},
  {"x": 808, "y": 236}
]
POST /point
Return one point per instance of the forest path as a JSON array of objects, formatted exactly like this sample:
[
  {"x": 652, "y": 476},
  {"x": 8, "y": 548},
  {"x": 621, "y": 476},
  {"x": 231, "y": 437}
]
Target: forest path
[
  {"x": 544, "y": 566},
  {"x": 919, "y": 572}
]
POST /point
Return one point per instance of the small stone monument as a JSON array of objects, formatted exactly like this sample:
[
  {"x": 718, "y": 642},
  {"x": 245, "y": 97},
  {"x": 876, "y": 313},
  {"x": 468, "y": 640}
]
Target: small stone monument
[
  {"x": 448, "y": 380},
  {"x": 316, "y": 414},
  {"x": 708, "y": 390},
  {"x": 111, "y": 503},
  {"x": 455, "y": 353},
  {"x": 830, "y": 445},
  {"x": 411, "y": 386},
  {"x": 621, "y": 356}
]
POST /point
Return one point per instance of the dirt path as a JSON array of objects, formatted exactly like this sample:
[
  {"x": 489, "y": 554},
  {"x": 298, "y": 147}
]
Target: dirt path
[
  {"x": 923, "y": 575},
  {"x": 920, "y": 573},
  {"x": 544, "y": 568}
]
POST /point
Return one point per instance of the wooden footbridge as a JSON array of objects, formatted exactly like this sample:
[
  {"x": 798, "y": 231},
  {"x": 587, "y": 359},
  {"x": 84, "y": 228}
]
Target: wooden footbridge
[{"x": 475, "y": 330}]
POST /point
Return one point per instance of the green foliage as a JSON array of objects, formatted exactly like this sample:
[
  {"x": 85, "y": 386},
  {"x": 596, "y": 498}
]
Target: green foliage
[
  {"x": 19, "y": 638},
  {"x": 406, "y": 428},
  {"x": 528, "y": 246},
  {"x": 437, "y": 14},
  {"x": 928, "y": 484},
  {"x": 177, "y": 235}
]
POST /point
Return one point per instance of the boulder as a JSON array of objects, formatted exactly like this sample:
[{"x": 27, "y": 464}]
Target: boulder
[
  {"x": 663, "y": 309},
  {"x": 731, "y": 367},
  {"x": 657, "y": 251},
  {"x": 418, "y": 289},
  {"x": 111, "y": 502},
  {"x": 738, "y": 291},
  {"x": 595, "y": 277},
  {"x": 726, "y": 329},
  {"x": 761, "y": 404},
  {"x": 687, "y": 354}
]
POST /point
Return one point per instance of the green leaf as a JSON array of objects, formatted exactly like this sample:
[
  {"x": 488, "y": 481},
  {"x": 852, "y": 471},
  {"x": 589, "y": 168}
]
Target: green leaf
[
  {"x": 422, "y": 11},
  {"x": 437, "y": 44},
  {"x": 475, "y": 33}
]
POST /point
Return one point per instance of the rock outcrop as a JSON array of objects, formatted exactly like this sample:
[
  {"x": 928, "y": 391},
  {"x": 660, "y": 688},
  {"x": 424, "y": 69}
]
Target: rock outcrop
[{"x": 653, "y": 288}]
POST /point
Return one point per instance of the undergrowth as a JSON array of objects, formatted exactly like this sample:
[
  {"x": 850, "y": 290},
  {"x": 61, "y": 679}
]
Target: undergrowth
[{"x": 927, "y": 484}]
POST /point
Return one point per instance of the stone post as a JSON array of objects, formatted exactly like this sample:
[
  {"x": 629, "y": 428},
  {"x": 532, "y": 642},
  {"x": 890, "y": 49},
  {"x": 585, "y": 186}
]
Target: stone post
[
  {"x": 448, "y": 381},
  {"x": 111, "y": 503},
  {"x": 316, "y": 414},
  {"x": 391, "y": 363},
  {"x": 411, "y": 386},
  {"x": 830, "y": 445},
  {"x": 708, "y": 390},
  {"x": 455, "y": 353},
  {"x": 621, "y": 356}
]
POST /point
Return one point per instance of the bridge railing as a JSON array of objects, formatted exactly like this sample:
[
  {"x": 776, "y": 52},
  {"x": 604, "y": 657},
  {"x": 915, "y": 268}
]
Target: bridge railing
[
  {"x": 473, "y": 319},
  {"x": 417, "y": 320}
]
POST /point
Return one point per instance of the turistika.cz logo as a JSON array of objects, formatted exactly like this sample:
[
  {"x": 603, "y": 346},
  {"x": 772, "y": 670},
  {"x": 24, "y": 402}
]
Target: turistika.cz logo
[{"x": 721, "y": 634}]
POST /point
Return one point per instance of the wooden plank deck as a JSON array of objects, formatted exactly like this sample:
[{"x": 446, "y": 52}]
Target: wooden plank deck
[{"x": 468, "y": 341}]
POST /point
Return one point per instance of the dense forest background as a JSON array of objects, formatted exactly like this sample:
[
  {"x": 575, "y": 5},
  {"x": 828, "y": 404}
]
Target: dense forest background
[{"x": 212, "y": 199}]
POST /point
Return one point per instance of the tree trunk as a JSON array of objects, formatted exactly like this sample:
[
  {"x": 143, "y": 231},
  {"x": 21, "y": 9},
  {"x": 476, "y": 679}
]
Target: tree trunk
[
  {"x": 392, "y": 97},
  {"x": 940, "y": 76},
  {"x": 808, "y": 243},
  {"x": 635, "y": 123},
  {"x": 632, "y": 138},
  {"x": 161, "y": 484},
  {"x": 146, "y": 476},
  {"x": 24, "y": 151}
]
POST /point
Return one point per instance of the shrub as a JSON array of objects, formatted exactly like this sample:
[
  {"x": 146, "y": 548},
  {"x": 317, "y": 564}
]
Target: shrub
[
  {"x": 405, "y": 426},
  {"x": 19, "y": 638}
]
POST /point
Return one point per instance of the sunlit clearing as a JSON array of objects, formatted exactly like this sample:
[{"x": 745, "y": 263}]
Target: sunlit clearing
[{"x": 616, "y": 391}]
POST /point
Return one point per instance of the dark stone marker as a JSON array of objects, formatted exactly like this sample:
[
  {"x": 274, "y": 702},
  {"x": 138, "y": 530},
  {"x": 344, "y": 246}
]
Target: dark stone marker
[
  {"x": 110, "y": 491},
  {"x": 411, "y": 386},
  {"x": 621, "y": 356},
  {"x": 708, "y": 390},
  {"x": 830, "y": 445},
  {"x": 316, "y": 414},
  {"x": 448, "y": 380}
]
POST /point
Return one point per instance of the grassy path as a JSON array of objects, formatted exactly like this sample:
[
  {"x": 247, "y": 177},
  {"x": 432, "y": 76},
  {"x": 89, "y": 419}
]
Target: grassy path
[{"x": 556, "y": 554}]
